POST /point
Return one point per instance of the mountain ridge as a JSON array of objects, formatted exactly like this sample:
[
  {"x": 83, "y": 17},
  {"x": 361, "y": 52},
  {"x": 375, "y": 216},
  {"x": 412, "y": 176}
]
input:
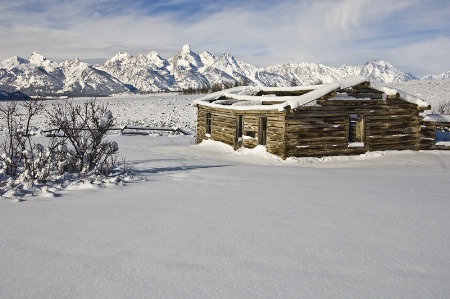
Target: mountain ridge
[{"x": 123, "y": 72}]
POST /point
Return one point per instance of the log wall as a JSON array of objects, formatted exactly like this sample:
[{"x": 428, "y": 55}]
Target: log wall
[
  {"x": 223, "y": 128},
  {"x": 323, "y": 130}
]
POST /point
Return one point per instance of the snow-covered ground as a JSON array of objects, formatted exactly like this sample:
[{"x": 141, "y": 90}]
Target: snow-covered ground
[{"x": 204, "y": 221}]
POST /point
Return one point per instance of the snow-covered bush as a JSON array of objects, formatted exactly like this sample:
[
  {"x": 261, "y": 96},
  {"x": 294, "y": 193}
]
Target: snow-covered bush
[
  {"x": 80, "y": 148},
  {"x": 84, "y": 127},
  {"x": 17, "y": 146}
]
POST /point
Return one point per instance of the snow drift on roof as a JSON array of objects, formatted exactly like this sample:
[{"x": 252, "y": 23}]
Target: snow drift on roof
[
  {"x": 247, "y": 93},
  {"x": 321, "y": 91},
  {"x": 403, "y": 95},
  {"x": 437, "y": 118}
]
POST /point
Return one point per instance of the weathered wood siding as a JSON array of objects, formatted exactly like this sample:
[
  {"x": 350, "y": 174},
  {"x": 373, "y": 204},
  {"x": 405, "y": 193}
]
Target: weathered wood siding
[
  {"x": 323, "y": 130},
  {"x": 223, "y": 128}
]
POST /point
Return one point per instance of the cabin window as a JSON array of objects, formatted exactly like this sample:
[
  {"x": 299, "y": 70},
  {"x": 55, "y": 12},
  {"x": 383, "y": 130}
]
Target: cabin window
[
  {"x": 208, "y": 123},
  {"x": 239, "y": 126},
  {"x": 250, "y": 134},
  {"x": 262, "y": 132},
  {"x": 239, "y": 129},
  {"x": 442, "y": 135},
  {"x": 356, "y": 130}
]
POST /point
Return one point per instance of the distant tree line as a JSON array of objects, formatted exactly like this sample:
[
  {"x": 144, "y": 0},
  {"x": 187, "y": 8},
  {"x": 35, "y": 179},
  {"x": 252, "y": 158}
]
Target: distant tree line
[{"x": 218, "y": 86}]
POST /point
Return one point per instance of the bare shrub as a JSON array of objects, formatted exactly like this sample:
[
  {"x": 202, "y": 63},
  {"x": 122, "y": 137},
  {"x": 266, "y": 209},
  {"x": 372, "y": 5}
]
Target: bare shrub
[
  {"x": 17, "y": 147},
  {"x": 10, "y": 147},
  {"x": 442, "y": 108}
]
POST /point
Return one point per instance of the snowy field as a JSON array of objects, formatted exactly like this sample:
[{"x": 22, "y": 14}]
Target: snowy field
[
  {"x": 154, "y": 110},
  {"x": 203, "y": 221}
]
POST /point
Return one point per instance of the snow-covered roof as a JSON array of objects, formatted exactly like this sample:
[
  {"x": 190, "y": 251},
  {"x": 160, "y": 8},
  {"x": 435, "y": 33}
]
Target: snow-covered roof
[
  {"x": 403, "y": 95},
  {"x": 244, "y": 97},
  {"x": 437, "y": 118}
]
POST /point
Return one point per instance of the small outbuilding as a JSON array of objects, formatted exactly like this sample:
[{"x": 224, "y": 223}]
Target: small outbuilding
[{"x": 348, "y": 117}]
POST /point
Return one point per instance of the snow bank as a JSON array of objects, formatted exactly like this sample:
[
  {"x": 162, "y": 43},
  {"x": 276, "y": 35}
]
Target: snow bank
[{"x": 209, "y": 225}]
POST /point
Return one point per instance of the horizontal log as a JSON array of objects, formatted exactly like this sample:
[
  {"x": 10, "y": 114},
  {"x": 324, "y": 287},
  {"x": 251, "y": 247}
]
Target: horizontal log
[
  {"x": 316, "y": 145},
  {"x": 314, "y": 139},
  {"x": 317, "y": 119},
  {"x": 392, "y": 131},
  {"x": 392, "y": 138},
  {"x": 350, "y": 103},
  {"x": 344, "y": 114},
  {"x": 327, "y": 152},
  {"x": 318, "y": 128}
]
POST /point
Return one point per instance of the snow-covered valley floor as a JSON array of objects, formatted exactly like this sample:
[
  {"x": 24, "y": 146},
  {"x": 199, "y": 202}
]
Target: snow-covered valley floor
[{"x": 204, "y": 221}]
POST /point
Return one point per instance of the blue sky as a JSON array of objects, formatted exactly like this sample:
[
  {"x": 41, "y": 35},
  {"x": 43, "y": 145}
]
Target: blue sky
[{"x": 414, "y": 35}]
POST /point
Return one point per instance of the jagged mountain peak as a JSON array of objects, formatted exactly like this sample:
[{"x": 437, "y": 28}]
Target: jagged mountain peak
[
  {"x": 121, "y": 56},
  {"x": 186, "y": 48},
  {"x": 207, "y": 58},
  {"x": 186, "y": 59},
  {"x": 186, "y": 53},
  {"x": 74, "y": 62},
  {"x": 154, "y": 58},
  {"x": 37, "y": 58},
  {"x": 227, "y": 63},
  {"x": 153, "y": 55},
  {"x": 13, "y": 62},
  {"x": 383, "y": 71},
  {"x": 41, "y": 61},
  {"x": 379, "y": 64}
]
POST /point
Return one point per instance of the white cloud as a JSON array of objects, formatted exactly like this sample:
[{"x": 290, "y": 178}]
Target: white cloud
[
  {"x": 332, "y": 32},
  {"x": 430, "y": 56}
]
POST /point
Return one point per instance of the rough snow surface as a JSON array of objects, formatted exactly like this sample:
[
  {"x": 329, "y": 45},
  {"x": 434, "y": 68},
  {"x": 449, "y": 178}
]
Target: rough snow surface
[{"x": 209, "y": 222}]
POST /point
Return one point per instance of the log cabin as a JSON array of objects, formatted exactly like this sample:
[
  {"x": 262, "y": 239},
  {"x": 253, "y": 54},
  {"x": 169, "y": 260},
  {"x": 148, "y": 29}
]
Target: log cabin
[{"x": 348, "y": 117}]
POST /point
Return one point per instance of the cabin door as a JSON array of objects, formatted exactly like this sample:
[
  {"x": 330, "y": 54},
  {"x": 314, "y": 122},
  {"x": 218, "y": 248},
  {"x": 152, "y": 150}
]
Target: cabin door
[
  {"x": 356, "y": 128},
  {"x": 239, "y": 131},
  {"x": 262, "y": 132}
]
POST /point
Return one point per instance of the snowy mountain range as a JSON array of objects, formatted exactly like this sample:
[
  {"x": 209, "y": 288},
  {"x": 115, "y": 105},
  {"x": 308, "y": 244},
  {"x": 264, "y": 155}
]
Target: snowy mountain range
[
  {"x": 150, "y": 73},
  {"x": 443, "y": 76}
]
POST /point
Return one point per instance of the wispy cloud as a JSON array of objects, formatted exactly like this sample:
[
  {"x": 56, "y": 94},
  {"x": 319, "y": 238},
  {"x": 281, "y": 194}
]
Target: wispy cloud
[{"x": 262, "y": 32}]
